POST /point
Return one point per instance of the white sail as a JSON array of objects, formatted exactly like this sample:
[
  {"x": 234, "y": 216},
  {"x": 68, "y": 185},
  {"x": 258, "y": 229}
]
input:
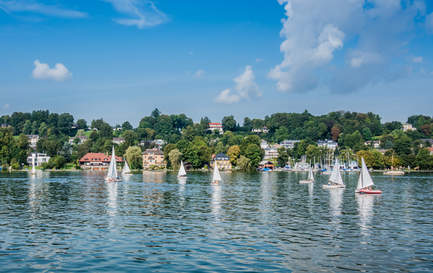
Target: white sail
[
  {"x": 33, "y": 164},
  {"x": 126, "y": 169},
  {"x": 310, "y": 174},
  {"x": 364, "y": 177},
  {"x": 216, "y": 174},
  {"x": 336, "y": 175},
  {"x": 112, "y": 169},
  {"x": 182, "y": 171}
]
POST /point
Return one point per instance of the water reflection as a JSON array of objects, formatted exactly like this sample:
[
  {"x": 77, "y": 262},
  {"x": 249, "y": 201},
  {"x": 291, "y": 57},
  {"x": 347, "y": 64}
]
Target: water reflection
[
  {"x": 335, "y": 201},
  {"x": 154, "y": 177},
  {"x": 216, "y": 201},
  {"x": 365, "y": 208},
  {"x": 112, "y": 199}
]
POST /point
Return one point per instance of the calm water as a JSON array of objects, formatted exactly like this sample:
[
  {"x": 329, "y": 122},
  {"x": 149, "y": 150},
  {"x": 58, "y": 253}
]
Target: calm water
[{"x": 250, "y": 222}]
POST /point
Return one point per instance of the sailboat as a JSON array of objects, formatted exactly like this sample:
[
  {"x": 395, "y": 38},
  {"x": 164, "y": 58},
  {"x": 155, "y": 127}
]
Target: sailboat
[
  {"x": 310, "y": 178},
  {"x": 126, "y": 170},
  {"x": 182, "y": 172},
  {"x": 112, "y": 169},
  {"x": 33, "y": 164},
  {"x": 392, "y": 171},
  {"x": 365, "y": 183},
  {"x": 335, "y": 180},
  {"x": 216, "y": 175}
]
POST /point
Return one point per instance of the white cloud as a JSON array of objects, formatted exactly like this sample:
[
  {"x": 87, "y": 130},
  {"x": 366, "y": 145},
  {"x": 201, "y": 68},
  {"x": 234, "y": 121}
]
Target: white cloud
[
  {"x": 259, "y": 60},
  {"x": 141, "y": 13},
  {"x": 5, "y": 106},
  {"x": 245, "y": 87},
  {"x": 43, "y": 72},
  {"x": 16, "y": 6},
  {"x": 227, "y": 96},
  {"x": 326, "y": 43},
  {"x": 199, "y": 73},
  {"x": 418, "y": 60}
]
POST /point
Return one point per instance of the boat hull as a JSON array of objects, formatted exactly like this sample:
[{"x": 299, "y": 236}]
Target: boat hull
[
  {"x": 306, "y": 181},
  {"x": 333, "y": 186},
  {"x": 366, "y": 191},
  {"x": 109, "y": 180},
  {"x": 394, "y": 173}
]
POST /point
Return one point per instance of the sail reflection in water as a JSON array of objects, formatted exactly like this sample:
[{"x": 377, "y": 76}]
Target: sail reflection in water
[
  {"x": 335, "y": 201},
  {"x": 112, "y": 199},
  {"x": 365, "y": 209},
  {"x": 216, "y": 201}
]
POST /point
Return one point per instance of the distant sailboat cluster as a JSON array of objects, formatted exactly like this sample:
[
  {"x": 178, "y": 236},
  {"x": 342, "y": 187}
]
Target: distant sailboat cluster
[{"x": 335, "y": 181}]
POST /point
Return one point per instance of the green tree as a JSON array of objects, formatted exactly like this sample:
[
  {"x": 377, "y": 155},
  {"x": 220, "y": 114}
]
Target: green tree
[
  {"x": 244, "y": 163},
  {"x": 233, "y": 153},
  {"x": 175, "y": 156},
  {"x": 229, "y": 123},
  {"x": 82, "y": 124},
  {"x": 134, "y": 157},
  {"x": 254, "y": 153},
  {"x": 283, "y": 157}
]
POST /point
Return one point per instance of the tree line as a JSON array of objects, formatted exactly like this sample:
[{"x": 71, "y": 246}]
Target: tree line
[{"x": 194, "y": 143}]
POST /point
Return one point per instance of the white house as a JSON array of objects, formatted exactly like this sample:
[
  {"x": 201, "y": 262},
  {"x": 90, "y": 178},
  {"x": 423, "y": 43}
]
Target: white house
[
  {"x": 216, "y": 126},
  {"x": 329, "y": 144},
  {"x": 289, "y": 144},
  {"x": 118, "y": 140},
  {"x": 408, "y": 127},
  {"x": 39, "y": 159},
  {"x": 263, "y": 130}
]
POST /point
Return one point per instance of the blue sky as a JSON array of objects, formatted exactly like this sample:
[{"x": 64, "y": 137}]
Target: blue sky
[{"x": 119, "y": 59}]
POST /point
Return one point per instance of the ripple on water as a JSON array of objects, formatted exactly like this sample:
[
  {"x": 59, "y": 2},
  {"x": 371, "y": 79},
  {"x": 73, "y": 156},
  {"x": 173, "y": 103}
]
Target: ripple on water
[{"x": 249, "y": 223}]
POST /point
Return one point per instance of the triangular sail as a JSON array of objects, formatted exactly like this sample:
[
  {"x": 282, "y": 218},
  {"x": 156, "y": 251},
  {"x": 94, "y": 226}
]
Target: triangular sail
[
  {"x": 112, "y": 169},
  {"x": 365, "y": 179},
  {"x": 182, "y": 171},
  {"x": 310, "y": 174},
  {"x": 335, "y": 175},
  {"x": 126, "y": 169},
  {"x": 216, "y": 173}
]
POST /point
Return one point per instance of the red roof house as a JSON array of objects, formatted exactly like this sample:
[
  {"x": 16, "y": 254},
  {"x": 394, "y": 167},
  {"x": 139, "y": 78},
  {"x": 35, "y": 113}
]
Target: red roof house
[{"x": 97, "y": 159}]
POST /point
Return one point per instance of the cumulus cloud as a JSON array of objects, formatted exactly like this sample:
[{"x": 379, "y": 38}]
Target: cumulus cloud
[
  {"x": 199, "y": 73},
  {"x": 20, "y": 6},
  {"x": 141, "y": 13},
  {"x": 43, "y": 71},
  {"x": 245, "y": 87},
  {"x": 328, "y": 43}
]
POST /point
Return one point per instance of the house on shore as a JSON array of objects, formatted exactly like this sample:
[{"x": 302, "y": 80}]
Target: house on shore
[
  {"x": 153, "y": 158},
  {"x": 40, "y": 159},
  {"x": 97, "y": 161},
  {"x": 223, "y": 162}
]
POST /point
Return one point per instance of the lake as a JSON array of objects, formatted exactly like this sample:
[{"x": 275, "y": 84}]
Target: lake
[{"x": 61, "y": 222}]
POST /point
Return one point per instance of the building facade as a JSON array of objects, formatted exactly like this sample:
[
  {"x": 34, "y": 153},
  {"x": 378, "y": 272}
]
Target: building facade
[
  {"x": 153, "y": 158},
  {"x": 216, "y": 126},
  {"x": 329, "y": 144},
  {"x": 97, "y": 161},
  {"x": 289, "y": 144},
  {"x": 223, "y": 162},
  {"x": 408, "y": 127},
  {"x": 39, "y": 159}
]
